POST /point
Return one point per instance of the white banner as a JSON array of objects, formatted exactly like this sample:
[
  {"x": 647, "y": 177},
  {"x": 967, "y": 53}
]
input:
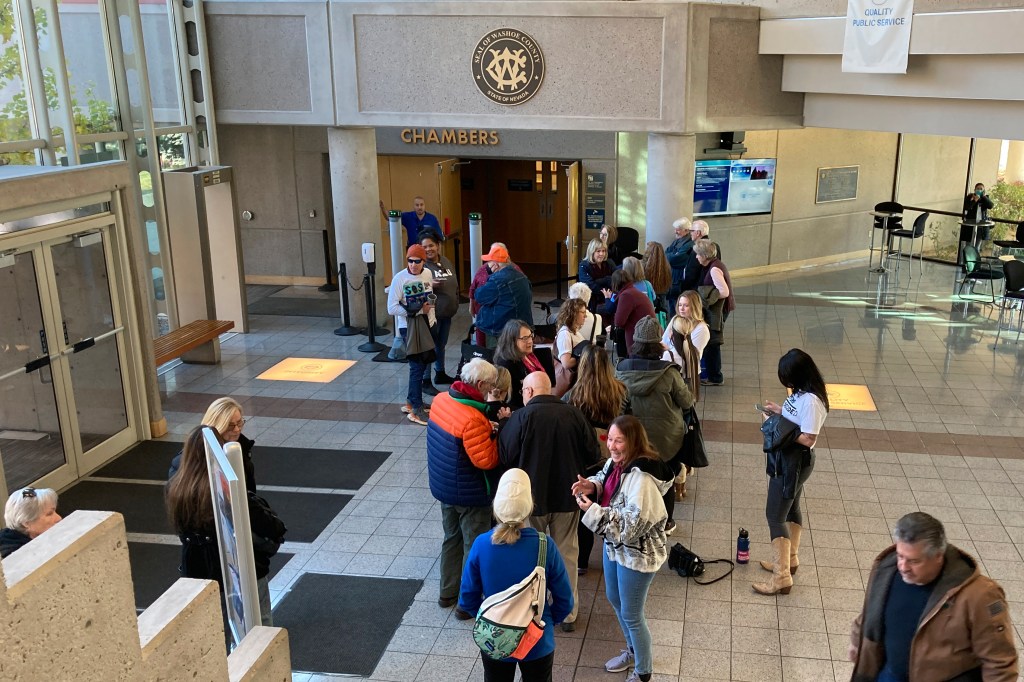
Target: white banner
[{"x": 877, "y": 38}]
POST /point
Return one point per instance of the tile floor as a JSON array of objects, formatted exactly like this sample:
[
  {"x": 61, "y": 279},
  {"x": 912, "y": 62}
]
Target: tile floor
[{"x": 946, "y": 439}]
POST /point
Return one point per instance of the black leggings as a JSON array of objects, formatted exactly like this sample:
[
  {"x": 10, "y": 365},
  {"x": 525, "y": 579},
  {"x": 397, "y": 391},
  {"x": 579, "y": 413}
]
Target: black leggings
[
  {"x": 533, "y": 671},
  {"x": 670, "y": 497},
  {"x": 779, "y": 510},
  {"x": 585, "y": 537}
]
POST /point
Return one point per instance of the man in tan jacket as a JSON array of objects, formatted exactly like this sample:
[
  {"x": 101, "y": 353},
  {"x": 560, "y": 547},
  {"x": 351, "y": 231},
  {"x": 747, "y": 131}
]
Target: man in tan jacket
[{"x": 929, "y": 614}]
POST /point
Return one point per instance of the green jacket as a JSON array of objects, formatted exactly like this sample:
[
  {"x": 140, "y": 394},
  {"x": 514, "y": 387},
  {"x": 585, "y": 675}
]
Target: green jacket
[{"x": 657, "y": 397}]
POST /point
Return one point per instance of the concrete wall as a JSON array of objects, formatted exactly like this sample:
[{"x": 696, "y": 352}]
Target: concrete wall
[
  {"x": 67, "y": 611},
  {"x": 279, "y": 177}
]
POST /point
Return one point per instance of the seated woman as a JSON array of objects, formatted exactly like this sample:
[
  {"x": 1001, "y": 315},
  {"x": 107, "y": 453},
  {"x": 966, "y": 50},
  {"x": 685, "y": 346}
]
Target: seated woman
[
  {"x": 570, "y": 319},
  {"x": 502, "y": 557},
  {"x": 190, "y": 506},
  {"x": 514, "y": 352},
  {"x": 596, "y": 271},
  {"x": 29, "y": 513}
]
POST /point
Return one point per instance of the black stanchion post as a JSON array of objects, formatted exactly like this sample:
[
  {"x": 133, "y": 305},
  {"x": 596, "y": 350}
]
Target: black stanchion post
[
  {"x": 458, "y": 268},
  {"x": 371, "y": 345},
  {"x": 328, "y": 270},
  {"x": 557, "y": 301},
  {"x": 346, "y": 328}
]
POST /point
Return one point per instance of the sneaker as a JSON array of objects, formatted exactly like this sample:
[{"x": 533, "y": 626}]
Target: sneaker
[
  {"x": 428, "y": 388},
  {"x": 670, "y": 527},
  {"x": 418, "y": 416},
  {"x": 569, "y": 627},
  {"x": 442, "y": 378},
  {"x": 622, "y": 662},
  {"x": 710, "y": 382},
  {"x": 633, "y": 676},
  {"x": 407, "y": 408}
]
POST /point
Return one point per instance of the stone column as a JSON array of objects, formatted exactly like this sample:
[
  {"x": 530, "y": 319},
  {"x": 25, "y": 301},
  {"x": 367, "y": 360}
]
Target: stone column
[
  {"x": 356, "y": 195},
  {"x": 670, "y": 160},
  {"x": 1015, "y": 162}
]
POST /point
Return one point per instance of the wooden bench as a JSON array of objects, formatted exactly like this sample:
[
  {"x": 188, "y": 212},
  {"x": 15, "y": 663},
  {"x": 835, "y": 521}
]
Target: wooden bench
[{"x": 196, "y": 342}]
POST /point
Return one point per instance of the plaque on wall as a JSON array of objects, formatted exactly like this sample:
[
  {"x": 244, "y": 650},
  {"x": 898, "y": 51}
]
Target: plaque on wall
[
  {"x": 838, "y": 183},
  {"x": 595, "y": 201},
  {"x": 595, "y": 183},
  {"x": 508, "y": 66},
  {"x": 594, "y": 218}
]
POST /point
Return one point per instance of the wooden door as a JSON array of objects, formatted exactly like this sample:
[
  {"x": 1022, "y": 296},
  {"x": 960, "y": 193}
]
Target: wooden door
[
  {"x": 449, "y": 197},
  {"x": 518, "y": 211},
  {"x": 572, "y": 218}
]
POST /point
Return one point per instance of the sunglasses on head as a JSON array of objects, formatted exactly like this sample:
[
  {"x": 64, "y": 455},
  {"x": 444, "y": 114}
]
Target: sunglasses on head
[{"x": 28, "y": 492}]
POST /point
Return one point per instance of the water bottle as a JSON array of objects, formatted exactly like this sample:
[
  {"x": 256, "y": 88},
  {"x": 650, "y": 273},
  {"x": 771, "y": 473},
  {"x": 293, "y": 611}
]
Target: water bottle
[{"x": 743, "y": 547}]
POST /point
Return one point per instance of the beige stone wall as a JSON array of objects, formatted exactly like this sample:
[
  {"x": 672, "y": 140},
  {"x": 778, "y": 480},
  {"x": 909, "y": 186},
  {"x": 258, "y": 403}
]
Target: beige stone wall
[{"x": 67, "y": 612}]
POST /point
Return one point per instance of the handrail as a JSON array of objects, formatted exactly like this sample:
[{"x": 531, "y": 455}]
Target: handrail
[{"x": 956, "y": 215}]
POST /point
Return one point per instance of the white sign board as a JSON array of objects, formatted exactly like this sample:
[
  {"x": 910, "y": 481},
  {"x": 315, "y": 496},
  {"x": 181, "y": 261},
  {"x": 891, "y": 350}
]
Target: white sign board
[
  {"x": 234, "y": 536},
  {"x": 877, "y": 38}
]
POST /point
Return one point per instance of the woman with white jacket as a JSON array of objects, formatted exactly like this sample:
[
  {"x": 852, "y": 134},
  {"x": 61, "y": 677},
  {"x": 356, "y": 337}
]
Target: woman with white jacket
[{"x": 623, "y": 504}]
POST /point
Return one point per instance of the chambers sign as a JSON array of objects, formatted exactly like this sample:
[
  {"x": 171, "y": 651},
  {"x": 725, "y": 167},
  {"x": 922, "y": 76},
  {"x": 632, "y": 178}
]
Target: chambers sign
[{"x": 508, "y": 66}]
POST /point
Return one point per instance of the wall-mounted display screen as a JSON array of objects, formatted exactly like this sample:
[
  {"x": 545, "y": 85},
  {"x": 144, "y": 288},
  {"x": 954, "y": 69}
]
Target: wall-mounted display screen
[{"x": 733, "y": 187}]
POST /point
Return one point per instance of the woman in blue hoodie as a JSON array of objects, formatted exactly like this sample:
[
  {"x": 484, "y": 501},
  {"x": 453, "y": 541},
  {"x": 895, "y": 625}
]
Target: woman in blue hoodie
[{"x": 502, "y": 557}]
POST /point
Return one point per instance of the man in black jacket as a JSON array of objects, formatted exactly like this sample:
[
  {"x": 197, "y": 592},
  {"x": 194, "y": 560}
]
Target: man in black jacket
[{"x": 553, "y": 443}]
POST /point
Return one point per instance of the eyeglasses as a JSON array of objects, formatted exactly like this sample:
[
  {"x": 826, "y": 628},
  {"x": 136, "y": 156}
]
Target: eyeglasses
[
  {"x": 29, "y": 493},
  {"x": 524, "y": 389},
  {"x": 527, "y": 338},
  {"x": 236, "y": 425},
  {"x": 415, "y": 261}
]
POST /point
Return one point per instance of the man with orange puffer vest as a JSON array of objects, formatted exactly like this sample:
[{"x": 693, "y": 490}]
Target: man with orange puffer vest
[{"x": 462, "y": 449}]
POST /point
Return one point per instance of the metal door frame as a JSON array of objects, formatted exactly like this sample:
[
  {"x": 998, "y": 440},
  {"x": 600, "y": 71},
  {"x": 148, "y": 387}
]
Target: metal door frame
[{"x": 39, "y": 242}]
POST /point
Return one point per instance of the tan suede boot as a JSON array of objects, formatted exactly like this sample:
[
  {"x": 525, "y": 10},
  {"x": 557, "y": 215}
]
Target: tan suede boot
[
  {"x": 795, "y": 531},
  {"x": 680, "y": 485},
  {"x": 781, "y": 581}
]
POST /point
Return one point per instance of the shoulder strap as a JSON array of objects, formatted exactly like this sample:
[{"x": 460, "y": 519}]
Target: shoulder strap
[
  {"x": 542, "y": 549},
  {"x": 732, "y": 567}
]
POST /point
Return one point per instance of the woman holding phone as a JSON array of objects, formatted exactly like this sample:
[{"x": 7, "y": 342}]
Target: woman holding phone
[{"x": 790, "y": 466}]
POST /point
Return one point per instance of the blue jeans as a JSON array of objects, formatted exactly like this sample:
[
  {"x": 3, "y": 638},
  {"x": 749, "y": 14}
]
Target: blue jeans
[
  {"x": 444, "y": 326},
  {"x": 627, "y": 593},
  {"x": 416, "y": 371}
]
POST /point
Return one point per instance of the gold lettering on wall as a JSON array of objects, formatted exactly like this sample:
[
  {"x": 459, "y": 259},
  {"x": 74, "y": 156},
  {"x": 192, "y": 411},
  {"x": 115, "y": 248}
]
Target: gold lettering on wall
[{"x": 473, "y": 138}]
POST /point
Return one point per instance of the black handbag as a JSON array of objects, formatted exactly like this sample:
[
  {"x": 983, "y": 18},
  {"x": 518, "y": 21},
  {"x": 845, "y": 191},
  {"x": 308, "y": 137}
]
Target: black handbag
[
  {"x": 470, "y": 350},
  {"x": 689, "y": 565},
  {"x": 692, "y": 452}
]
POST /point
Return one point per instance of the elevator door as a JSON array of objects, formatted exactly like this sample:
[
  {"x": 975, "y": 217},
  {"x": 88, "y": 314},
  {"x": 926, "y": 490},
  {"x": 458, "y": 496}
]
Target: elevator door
[{"x": 63, "y": 394}]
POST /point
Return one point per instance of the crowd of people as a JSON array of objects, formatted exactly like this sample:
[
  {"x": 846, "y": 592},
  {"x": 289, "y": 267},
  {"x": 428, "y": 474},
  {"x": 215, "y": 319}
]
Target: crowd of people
[{"x": 534, "y": 463}]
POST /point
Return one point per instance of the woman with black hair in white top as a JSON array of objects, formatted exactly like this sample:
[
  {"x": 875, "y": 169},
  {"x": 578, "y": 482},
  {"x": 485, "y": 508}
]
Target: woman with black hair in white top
[{"x": 790, "y": 465}]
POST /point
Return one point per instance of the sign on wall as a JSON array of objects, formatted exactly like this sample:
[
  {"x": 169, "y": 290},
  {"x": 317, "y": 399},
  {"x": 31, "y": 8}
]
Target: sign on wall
[
  {"x": 837, "y": 184},
  {"x": 594, "y": 218},
  {"x": 508, "y": 66},
  {"x": 877, "y": 37}
]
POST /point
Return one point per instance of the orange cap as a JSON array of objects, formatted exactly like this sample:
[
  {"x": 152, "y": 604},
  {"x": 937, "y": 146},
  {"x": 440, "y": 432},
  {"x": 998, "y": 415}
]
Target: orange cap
[{"x": 498, "y": 254}]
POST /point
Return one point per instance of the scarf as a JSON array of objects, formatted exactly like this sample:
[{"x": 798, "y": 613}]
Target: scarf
[
  {"x": 532, "y": 363},
  {"x": 611, "y": 485}
]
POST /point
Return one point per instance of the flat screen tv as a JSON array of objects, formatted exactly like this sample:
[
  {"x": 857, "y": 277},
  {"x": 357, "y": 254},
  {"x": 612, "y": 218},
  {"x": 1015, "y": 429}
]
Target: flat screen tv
[{"x": 733, "y": 187}]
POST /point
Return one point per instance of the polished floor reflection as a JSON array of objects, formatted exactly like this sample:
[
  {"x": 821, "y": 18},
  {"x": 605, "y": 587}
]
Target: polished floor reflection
[{"x": 946, "y": 438}]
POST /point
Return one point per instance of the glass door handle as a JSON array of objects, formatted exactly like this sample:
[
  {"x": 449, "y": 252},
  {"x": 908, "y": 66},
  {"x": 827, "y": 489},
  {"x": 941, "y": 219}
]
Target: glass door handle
[
  {"x": 29, "y": 367},
  {"x": 85, "y": 344}
]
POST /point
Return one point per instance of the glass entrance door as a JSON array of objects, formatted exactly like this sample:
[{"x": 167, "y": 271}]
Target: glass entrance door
[
  {"x": 63, "y": 394},
  {"x": 31, "y": 439}
]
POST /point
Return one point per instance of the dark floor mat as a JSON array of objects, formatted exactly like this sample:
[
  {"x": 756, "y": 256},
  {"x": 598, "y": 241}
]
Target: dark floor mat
[
  {"x": 302, "y": 307},
  {"x": 291, "y": 467},
  {"x": 142, "y": 505},
  {"x": 155, "y": 568},
  {"x": 342, "y": 623}
]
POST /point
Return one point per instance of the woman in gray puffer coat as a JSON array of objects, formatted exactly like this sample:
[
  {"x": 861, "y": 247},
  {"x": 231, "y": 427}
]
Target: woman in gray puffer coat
[{"x": 657, "y": 396}]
